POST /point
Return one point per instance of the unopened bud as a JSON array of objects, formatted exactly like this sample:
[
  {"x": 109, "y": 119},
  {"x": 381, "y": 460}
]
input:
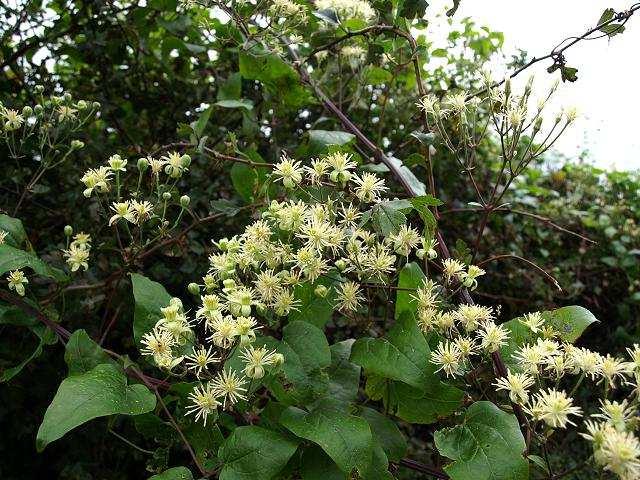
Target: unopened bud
[
  {"x": 166, "y": 196},
  {"x": 68, "y": 230},
  {"x": 143, "y": 164},
  {"x": 321, "y": 291},
  {"x": 39, "y": 89},
  {"x": 185, "y": 160},
  {"x": 27, "y": 111},
  {"x": 184, "y": 201},
  {"x": 77, "y": 144},
  {"x": 38, "y": 109},
  {"x": 194, "y": 288}
]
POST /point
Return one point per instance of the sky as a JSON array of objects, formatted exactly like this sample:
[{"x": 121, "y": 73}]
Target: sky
[{"x": 606, "y": 93}]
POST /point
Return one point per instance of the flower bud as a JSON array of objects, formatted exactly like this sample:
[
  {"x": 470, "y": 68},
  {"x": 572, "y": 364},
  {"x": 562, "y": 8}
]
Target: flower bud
[
  {"x": 68, "y": 230},
  {"x": 341, "y": 264},
  {"x": 185, "y": 160},
  {"x": 166, "y": 196},
  {"x": 278, "y": 359},
  {"x": 27, "y": 111},
  {"x": 67, "y": 97},
  {"x": 538, "y": 124},
  {"x": 321, "y": 291},
  {"x": 184, "y": 201},
  {"x": 81, "y": 105},
  {"x": 420, "y": 253},
  {"x": 39, "y": 89},
  {"x": 194, "y": 288},
  {"x": 143, "y": 164},
  {"x": 229, "y": 283},
  {"x": 38, "y": 109},
  {"x": 77, "y": 144},
  {"x": 95, "y": 105}
]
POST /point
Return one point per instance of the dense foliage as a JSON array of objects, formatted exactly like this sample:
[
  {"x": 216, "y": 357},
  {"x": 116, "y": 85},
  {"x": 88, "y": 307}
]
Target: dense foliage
[{"x": 301, "y": 240}]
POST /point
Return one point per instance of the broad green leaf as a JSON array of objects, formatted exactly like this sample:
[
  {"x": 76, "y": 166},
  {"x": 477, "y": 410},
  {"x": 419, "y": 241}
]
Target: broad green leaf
[
  {"x": 247, "y": 180},
  {"x": 97, "y": 393},
  {"x": 175, "y": 473},
  {"x": 417, "y": 187},
  {"x": 386, "y": 432},
  {"x": 309, "y": 343},
  {"x": 314, "y": 309},
  {"x": 317, "y": 465},
  {"x": 254, "y": 453},
  {"x": 83, "y": 354},
  {"x": 403, "y": 355},
  {"x": 321, "y": 139},
  {"x": 16, "y": 236},
  {"x": 231, "y": 88},
  {"x": 438, "y": 400},
  {"x": 243, "y": 103},
  {"x": 344, "y": 376},
  {"x": 410, "y": 278},
  {"x": 375, "y": 75},
  {"x": 149, "y": 297},
  {"x": 388, "y": 216},
  {"x": 421, "y": 205},
  {"x": 412, "y": 8},
  {"x": 488, "y": 445},
  {"x": 12, "y": 258},
  {"x": 345, "y": 438},
  {"x": 570, "y": 322},
  {"x": 201, "y": 124}
]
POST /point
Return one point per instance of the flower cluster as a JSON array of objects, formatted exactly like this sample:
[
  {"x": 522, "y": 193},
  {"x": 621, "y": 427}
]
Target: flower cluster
[{"x": 77, "y": 253}]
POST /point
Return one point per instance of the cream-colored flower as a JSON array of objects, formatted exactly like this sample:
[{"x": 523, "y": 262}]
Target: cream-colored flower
[{"x": 17, "y": 280}]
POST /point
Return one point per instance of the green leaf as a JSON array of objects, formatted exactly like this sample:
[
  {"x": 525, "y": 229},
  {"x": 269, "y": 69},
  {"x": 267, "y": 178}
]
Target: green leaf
[
  {"x": 613, "y": 28},
  {"x": 149, "y": 297},
  {"x": 386, "y": 432},
  {"x": 309, "y": 343},
  {"x": 12, "y": 258},
  {"x": 376, "y": 75},
  {"x": 488, "y": 445},
  {"x": 97, "y": 393},
  {"x": 254, "y": 453},
  {"x": 421, "y": 204},
  {"x": 437, "y": 400},
  {"x": 412, "y": 8},
  {"x": 314, "y": 309},
  {"x": 317, "y": 465},
  {"x": 452, "y": 11},
  {"x": 175, "y": 473},
  {"x": 16, "y": 236},
  {"x": 246, "y": 104},
  {"x": 231, "y": 89},
  {"x": 345, "y": 438},
  {"x": 344, "y": 376},
  {"x": 83, "y": 354},
  {"x": 200, "y": 125},
  {"x": 410, "y": 278},
  {"x": 45, "y": 337},
  {"x": 247, "y": 180},
  {"x": 402, "y": 356},
  {"x": 320, "y": 140},
  {"x": 417, "y": 187},
  {"x": 388, "y": 216},
  {"x": 570, "y": 321}
]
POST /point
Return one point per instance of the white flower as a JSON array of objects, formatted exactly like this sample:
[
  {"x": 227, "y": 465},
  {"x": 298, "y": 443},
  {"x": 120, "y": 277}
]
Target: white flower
[
  {"x": 230, "y": 387},
  {"x": 452, "y": 270},
  {"x": 3, "y": 235},
  {"x": 533, "y": 321},
  {"x": 288, "y": 171},
  {"x": 447, "y": 356},
  {"x": 349, "y": 297},
  {"x": 96, "y": 179},
  {"x": 123, "y": 210},
  {"x": 204, "y": 402},
  {"x": 158, "y": 343},
  {"x": 12, "y": 119},
  {"x": 554, "y": 408},
  {"x": 493, "y": 336},
  {"x": 347, "y": 9},
  {"x": 77, "y": 256},
  {"x": 469, "y": 278},
  {"x": 256, "y": 359},
  {"x": 200, "y": 359},
  {"x": 405, "y": 240},
  {"x": 369, "y": 187},
  {"x": 17, "y": 280},
  {"x": 516, "y": 384}
]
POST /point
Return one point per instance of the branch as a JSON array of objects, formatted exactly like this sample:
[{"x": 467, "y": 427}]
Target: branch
[
  {"x": 529, "y": 262},
  {"x": 421, "y": 467},
  {"x": 557, "y": 52}
]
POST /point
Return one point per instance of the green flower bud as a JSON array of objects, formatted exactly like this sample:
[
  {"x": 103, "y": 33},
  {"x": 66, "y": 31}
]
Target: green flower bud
[
  {"x": 278, "y": 359},
  {"x": 321, "y": 291},
  {"x": 185, "y": 160},
  {"x": 68, "y": 230},
  {"x": 77, "y": 144},
  {"x": 81, "y": 105},
  {"x": 67, "y": 97},
  {"x": 184, "y": 201},
  {"x": 194, "y": 288},
  {"x": 95, "y": 105},
  {"x": 341, "y": 264},
  {"x": 143, "y": 164},
  {"x": 39, "y": 89},
  {"x": 38, "y": 109},
  {"x": 27, "y": 111},
  {"x": 166, "y": 196}
]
